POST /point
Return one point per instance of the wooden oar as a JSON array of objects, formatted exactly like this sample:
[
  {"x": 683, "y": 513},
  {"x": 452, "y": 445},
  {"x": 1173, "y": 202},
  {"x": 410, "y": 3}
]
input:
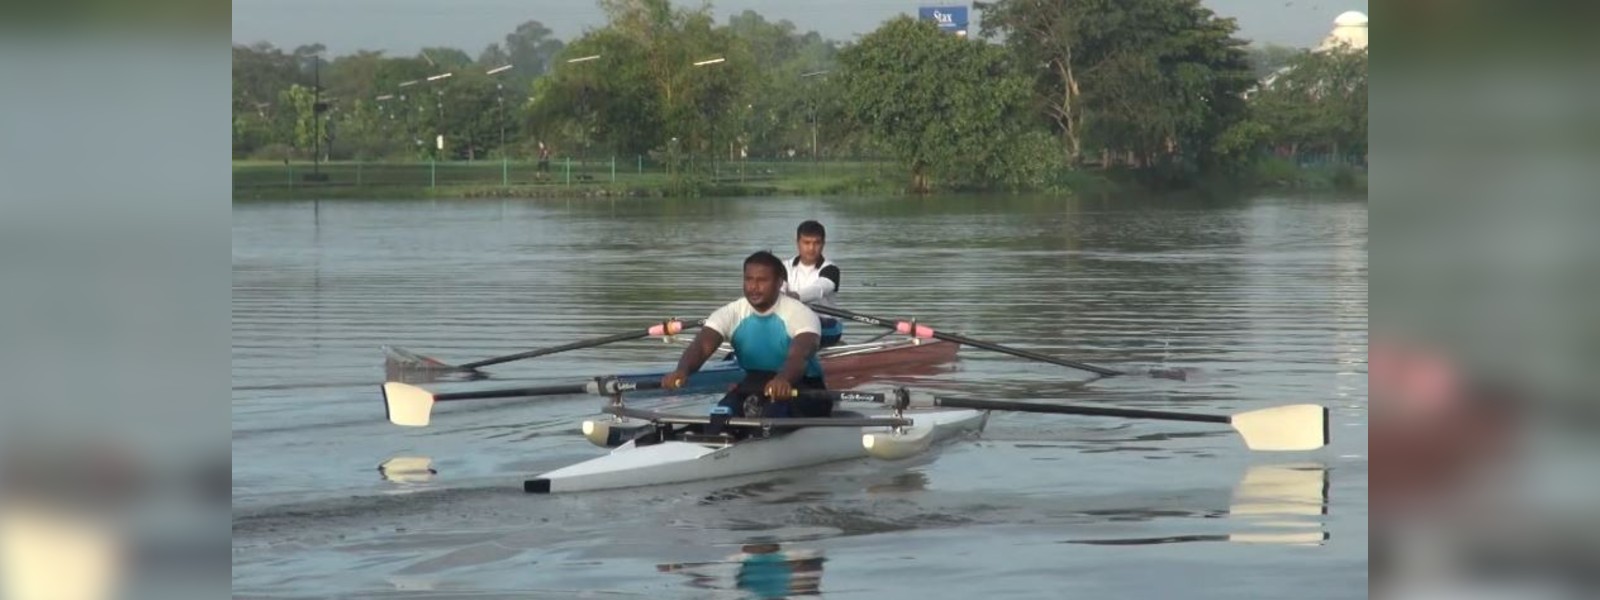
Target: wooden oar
[
  {"x": 923, "y": 331},
  {"x": 1294, "y": 427},
  {"x": 418, "y": 361},
  {"x": 412, "y": 406}
]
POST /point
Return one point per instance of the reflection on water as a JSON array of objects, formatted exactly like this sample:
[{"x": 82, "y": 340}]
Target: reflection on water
[
  {"x": 910, "y": 481},
  {"x": 1273, "y": 504},
  {"x": 405, "y": 366},
  {"x": 1284, "y": 504},
  {"x": 408, "y": 469},
  {"x": 763, "y": 568}
]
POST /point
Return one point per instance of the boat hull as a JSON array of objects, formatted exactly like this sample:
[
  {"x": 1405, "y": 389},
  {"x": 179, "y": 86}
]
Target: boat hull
[{"x": 672, "y": 461}]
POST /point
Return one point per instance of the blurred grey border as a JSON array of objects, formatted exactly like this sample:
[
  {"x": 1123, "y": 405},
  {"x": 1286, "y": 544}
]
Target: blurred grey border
[
  {"x": 1485, "y": 177},
  {"x": 114, "y": 296},
  {"x": 114, "y": 224},
  {"x": 1484, "y": 205}
]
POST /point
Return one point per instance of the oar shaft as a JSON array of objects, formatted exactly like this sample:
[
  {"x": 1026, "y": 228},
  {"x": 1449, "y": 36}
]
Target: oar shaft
[
  {"x": 611, "y": 386},
  {"x": 667, "y": 328},
  {"x": 924, "y": 331},
  {"x": 610, "y": 339},
  {"x": 548, "y": 390},
  {"x": 1064, "y": 409}
]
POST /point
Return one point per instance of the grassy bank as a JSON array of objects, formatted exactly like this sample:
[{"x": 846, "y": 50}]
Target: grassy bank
[
  {"x": 595, "y": 178},
  {"x": 1277, "y": 173},
  {"x": 600, "y": 179}
]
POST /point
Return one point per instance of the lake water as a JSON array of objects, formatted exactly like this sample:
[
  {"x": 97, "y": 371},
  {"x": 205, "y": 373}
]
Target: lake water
[{"x": 1265, "y": 298}]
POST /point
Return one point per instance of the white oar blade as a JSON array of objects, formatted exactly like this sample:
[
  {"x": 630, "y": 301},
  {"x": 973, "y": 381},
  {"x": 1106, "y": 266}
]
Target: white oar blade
[
  {"x": 1297, "y": 427},
  {"x": 408, "y": 405}
]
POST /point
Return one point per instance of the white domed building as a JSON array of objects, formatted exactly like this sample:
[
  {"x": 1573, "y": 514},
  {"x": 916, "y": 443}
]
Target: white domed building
[{"x": 1349, "y": 30}]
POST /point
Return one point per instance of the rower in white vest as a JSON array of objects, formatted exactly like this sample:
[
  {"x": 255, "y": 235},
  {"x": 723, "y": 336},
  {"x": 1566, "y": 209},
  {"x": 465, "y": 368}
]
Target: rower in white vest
[{"x": 812, "y": 278}]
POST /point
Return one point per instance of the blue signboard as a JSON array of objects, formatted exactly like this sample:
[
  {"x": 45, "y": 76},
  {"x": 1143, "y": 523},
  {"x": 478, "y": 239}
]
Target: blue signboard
[{"x": 950, "y": 19}]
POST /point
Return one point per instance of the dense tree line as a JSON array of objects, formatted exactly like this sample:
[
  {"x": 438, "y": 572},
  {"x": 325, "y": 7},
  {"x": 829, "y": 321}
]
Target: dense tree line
[{"x": 1158, "y": 87}]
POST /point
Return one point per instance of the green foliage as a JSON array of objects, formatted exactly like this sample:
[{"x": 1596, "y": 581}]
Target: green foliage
[
  {"x": 950, "y": 110},
  {"x": 1316, "y": 104},
  {"x": 645, "y": 91},
  {"x": 790, "y": 92},
  {"x": 443, "y": 59},
  {"x": 1144, "y": 83},
  {"x": 1268, "y": 59},
  {"x": 371, "y": 113},
  {"x": 531, "y": 49},
  {"x": 296, "y": 106},
  {"x": 1287, "y": 174},
  {"x": 1153, "y": 88}
]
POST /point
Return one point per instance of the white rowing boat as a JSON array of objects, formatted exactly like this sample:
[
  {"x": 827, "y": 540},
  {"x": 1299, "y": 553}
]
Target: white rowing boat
[
  {"x": 653, "y": 448},
  {"x": 658, "y": 453}
]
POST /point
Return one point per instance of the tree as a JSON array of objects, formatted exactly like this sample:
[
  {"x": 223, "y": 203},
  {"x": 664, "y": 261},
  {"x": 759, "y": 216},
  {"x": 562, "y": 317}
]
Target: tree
[
  {"x": 1267, "y": 59},
  {"x": 444, "y": 59},
  {"x": 493, "y": 56},
  {"x": 782, "y": 99},
  {"x": 644, "y": 90},
  {"x": 367, "y": 129},
  {"x": 259, "y": 73},
  {"x": 298, "y": 116},
  {"x": 1149, "y": 81},
  {"x": 951, "y": 110},
  {"x": 532, "y": 49},
  {"x": 607, "y": 101},
  {"x": 1317, "y": 102},
  {"x": 354, "y": 77}
]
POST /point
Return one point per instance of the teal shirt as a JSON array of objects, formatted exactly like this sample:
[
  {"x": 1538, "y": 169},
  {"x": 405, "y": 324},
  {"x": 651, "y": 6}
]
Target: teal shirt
[{"x": 761, "y": 341}]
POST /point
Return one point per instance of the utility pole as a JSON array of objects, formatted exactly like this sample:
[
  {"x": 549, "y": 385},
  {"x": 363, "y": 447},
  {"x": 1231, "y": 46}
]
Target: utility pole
[
  {"x": 316, "y": 114},
  {"x": 317, "y": 108},
  {"x": 813, "y": 94}
]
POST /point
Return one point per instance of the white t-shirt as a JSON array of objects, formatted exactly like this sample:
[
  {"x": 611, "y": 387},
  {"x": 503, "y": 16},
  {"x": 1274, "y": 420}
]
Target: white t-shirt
[{"x": 816, "y": 284}]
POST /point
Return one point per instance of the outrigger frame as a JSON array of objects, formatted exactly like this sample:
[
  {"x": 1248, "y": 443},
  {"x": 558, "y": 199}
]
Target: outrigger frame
[{"x": 657, "y": 426}]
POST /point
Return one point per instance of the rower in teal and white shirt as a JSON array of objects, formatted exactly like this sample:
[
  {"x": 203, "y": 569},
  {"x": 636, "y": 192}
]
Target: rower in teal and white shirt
[
  {"x": 812, "y": 279},
  {"x": 775, "y": 340}
]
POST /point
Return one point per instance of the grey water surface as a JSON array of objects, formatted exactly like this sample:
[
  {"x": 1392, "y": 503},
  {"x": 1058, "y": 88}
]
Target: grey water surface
[{"x": 1264, "y": 298}]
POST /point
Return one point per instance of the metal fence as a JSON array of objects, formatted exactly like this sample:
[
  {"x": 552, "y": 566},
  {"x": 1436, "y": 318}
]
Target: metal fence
[{"x": 641, "y": 170}]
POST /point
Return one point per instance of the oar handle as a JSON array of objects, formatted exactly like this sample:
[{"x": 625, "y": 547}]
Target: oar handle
[
  {"x": 839, "y": 396},
  {"x": 664, "y": 328},
  {"x": 923, "y": 331},
  {"x": 608, "y": 386},
  {"x": 834, "y": 395}
]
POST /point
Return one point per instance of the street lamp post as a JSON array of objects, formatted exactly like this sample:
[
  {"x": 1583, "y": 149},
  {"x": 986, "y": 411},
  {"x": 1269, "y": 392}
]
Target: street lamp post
[
  {"x": 813, "y": 95},
  {"x": 405, "y": 105},
  {"x": 500, "y": 89},
  {"x": 714, "y": 150},
  {"x": 505, "y": 174},
  {"x": 581, "y": 113},
  {"x": 317, "y": 108},
  {"x": 439, "y": 98}
]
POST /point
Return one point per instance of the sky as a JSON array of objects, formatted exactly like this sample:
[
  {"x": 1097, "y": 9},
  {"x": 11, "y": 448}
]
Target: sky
[{"x": 402, "y": 27}]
